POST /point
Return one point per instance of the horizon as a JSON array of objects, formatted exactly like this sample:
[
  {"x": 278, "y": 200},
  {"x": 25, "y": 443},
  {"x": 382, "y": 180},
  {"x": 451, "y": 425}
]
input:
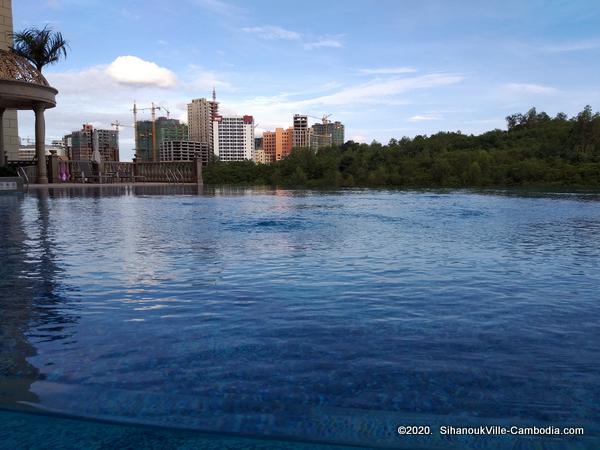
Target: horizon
[{"x": 404, "y": 69}]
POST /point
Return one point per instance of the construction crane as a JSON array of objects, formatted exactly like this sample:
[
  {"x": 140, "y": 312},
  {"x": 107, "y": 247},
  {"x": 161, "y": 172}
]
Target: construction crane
[
  {"x": 153, "y": 108},
  {"x": 165, "y": 110},
  {"x": 324, "y": 119},
  {"x": 118, "y": 125}
]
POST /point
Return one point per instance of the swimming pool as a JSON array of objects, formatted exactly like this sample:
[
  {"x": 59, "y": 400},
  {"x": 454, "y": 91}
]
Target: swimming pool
[{"x": 330, "y": 317}]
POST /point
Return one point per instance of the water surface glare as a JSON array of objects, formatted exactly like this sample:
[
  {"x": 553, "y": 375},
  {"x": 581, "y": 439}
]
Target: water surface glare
[{"x": 326, "y": 316}]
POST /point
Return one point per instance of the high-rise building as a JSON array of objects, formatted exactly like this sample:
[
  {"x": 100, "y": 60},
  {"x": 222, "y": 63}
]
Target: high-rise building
[
  {"x": 234, "y": 138},
  {"x": 260, "y": 157},
  {"x": 11, "y": 132},
  {"x": 183, "y": 150},
  {"x": 329, "y": 133},
  {"x": 166, "y": 130},
  {"x": 301, "y": 131},
  {"x": 82, "y": 143},
  {"x": 318, "y": 141},
  {"x": 201, "y": 115},
  {"x": 277, "y": 144}
]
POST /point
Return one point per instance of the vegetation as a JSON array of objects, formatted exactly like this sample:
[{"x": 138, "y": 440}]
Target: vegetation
[
  {"x": 40, "y": 47},
  {"x": 536, "y": 150}
]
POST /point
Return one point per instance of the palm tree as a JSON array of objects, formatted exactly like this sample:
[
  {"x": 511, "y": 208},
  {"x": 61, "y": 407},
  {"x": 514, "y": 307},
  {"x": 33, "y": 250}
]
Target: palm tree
[{"x": 41, "y": 47}]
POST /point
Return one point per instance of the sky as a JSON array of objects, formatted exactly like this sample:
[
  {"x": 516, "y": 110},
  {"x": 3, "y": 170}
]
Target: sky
[{"x": 384, "y": 68}]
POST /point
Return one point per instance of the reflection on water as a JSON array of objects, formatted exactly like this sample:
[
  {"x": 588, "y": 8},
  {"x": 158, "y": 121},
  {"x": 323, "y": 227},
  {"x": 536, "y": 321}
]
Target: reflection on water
[{"x": 330, "y": 316}]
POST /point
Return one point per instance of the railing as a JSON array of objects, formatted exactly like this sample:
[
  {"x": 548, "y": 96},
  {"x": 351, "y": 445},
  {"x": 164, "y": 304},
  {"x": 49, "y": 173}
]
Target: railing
[
  {"x": 23, "y": 175},
  {"x": 179, "y": 172},
  {"x": 27, "y": 173},
  {"x": 167, "y": 172}
]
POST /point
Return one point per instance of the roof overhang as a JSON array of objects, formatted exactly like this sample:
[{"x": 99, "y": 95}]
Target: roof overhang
[{"x": 23, "y": 95}]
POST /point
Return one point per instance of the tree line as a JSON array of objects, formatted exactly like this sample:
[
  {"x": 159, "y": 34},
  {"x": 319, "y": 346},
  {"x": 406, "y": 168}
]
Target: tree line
[{"x": 535, "y": 150}]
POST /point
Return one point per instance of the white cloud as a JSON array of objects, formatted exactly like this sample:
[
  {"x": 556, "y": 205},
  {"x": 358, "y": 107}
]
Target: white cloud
[
  {"x": 387, "y": 70},
  {"x": 591, "y": 44},
  {"x": 424, "y": 117},
  {"x": 273, "y": 32},
  {"x": 131, "y": 70},
  {"x": 276, "y": 111},
  {"x": 218, "y": 7},
  {"x": 527, "y": 88},
  {"x": 329, "y": 43},
  {"x": 381, "y": 91}
]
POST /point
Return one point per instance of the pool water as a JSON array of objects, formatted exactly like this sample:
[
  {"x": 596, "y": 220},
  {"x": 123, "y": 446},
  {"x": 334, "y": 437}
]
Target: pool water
[{"x": 329, "y": 317}]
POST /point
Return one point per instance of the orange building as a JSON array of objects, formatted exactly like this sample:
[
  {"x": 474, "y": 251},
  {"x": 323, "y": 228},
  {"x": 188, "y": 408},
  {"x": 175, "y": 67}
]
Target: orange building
[{"x": 277, "y": 144}]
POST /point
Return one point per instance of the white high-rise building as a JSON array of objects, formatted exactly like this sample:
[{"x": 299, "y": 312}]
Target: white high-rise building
[{"x": 233, "y": 138}]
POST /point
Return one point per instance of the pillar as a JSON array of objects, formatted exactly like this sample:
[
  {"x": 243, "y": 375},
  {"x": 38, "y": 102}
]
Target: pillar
[
  {"x": 40, "y": 143},
  {"x": 198, "y": 171},
  {"x": 2, "y": 150}
]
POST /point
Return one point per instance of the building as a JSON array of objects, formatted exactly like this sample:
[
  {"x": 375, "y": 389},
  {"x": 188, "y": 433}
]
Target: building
[
  {"x": 318, "y": 141},
  {"x": 166, "y": 130},
  {"x": 11, "y": 132},
  {"x": 330, "y": 133},
  {"x": 301, "y": 131},
  {"x": 81, "y": 143},
  {"x": 258, "y": 143},
  {"x": 277, "y": 144},
  {"x": 184, "y": 150},
  {"x": 27, "y": 151},
  {"x": 234, "y": 138},
  {"x": 260, "y": 157},
  {"x": 201, "y": 115}
]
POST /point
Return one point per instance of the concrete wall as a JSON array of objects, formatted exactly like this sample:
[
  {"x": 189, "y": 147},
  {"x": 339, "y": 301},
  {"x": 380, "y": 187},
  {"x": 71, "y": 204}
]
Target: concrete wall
[{"x": 11, "y": 133}]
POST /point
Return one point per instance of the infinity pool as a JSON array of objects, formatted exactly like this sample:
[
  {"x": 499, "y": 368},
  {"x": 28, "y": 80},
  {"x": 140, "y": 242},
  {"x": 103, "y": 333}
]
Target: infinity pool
[{"x": 324, "y": 317}]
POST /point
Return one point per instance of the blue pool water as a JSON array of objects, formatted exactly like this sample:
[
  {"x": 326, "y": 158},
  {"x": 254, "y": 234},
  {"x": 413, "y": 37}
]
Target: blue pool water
[{"x": 329, "y": 317}]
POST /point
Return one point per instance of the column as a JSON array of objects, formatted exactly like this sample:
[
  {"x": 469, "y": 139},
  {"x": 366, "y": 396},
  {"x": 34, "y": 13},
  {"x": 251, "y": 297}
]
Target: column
[
  {"x": 2, "y": 152},
  {"x": 40, "y": 143}
]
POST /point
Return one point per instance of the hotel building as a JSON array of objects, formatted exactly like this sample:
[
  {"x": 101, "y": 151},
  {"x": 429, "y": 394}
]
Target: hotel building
[{"x": 11, "y": 133}]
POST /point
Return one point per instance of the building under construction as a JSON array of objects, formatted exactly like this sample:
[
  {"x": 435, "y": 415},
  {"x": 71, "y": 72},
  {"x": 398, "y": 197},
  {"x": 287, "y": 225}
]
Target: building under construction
[
  {"x": 327, "y": 134},
  {"x": 166, "y": 130}
]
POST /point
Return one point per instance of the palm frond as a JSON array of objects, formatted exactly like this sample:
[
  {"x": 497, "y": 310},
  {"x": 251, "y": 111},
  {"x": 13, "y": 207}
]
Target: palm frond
[{"x": 40, "y": 46}]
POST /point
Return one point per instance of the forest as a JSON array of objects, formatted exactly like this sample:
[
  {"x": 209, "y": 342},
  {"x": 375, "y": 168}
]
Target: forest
[{"x": 535, "y": 150}]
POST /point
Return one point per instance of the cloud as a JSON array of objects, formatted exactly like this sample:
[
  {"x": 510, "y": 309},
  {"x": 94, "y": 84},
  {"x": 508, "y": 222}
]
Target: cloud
[
  {"x": 131, "y": 70},
  {"x": 330, "y": 43},
  {"x": 424, "y": 117},
  {"x": 526, "y": 88},
  {"x": 273, "y": 32},
  {"x": 277, "y": 110},
  {"x": 387, "y": 70},
  {"x": 218, "y": 7},
  {"x": 591, "y": 44},
  {"x": 381, "y": 91}
]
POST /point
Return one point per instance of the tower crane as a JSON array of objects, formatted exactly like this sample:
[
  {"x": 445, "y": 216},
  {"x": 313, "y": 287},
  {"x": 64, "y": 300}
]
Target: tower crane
[
  {"x": 153, "y": 108},
  {"x": 324, "y": 119}
]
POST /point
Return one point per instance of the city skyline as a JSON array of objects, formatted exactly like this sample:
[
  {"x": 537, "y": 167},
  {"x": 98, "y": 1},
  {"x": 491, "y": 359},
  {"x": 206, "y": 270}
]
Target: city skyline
[{"x": 406, "y": 69}]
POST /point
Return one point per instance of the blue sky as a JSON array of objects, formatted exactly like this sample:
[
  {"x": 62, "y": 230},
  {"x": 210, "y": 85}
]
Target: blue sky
[{"x": 385, "y": 68}]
